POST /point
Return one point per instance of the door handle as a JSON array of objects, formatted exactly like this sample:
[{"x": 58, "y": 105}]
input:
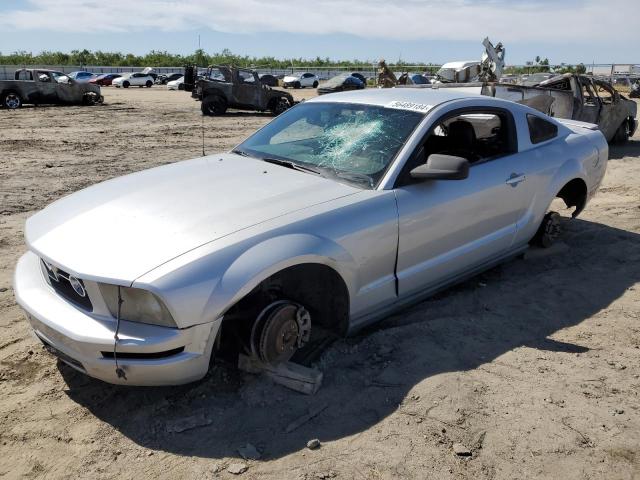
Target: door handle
[{"x": 516, "y": 178}]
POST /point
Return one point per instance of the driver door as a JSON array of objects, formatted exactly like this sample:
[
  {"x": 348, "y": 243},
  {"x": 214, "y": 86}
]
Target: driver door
[
  {"x": 591, "y": 106},
  {"x": 246, "y": 90},
  {"x": 46, "y": 88},
  {"x": 450, "y": 227}
]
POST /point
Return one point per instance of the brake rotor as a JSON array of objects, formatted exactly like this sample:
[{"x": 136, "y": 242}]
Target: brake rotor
[{"x": 280, "y": 330}]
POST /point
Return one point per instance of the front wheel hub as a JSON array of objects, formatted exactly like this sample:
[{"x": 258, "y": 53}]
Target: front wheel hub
[{"x": 279, "y": 331}]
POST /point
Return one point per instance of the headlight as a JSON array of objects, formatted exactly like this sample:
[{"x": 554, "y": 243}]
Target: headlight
[{"x": 137, "y": 305}]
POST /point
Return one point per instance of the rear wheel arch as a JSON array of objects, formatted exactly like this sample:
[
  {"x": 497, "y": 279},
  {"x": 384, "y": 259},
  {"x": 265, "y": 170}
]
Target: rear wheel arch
[{"x": 574, "y": 194}]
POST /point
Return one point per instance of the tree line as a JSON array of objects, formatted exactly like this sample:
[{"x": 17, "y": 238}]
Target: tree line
[{"x": 156, "y": 58}]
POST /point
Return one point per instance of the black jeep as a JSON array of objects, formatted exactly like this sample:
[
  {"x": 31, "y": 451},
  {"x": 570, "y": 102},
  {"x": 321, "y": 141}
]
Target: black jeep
[{"x": 225, "y": 87}]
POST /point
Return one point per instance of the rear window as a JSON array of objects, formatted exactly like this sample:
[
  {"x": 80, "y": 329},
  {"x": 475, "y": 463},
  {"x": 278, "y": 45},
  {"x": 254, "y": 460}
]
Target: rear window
[{"x": 541, "y": 130}]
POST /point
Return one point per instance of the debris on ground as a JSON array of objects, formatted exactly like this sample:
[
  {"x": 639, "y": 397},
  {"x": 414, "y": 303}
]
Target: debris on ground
[
  {"x": 237, "y": 468},
  {"x": 188, "y": 423},
  {"x": 325, "y": 475},
  {"x": 461, "y": 450},
  {"x": 313, "y": 444}
]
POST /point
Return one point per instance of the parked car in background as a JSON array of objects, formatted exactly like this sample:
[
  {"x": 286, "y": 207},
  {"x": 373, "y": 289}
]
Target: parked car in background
[
  {"x": 104, "y": 80},
  {"x": 223, "y": 87},
  {"x": 81, "y": 77},
  {"x": 46, "y": 87},
  {"x": 359, "y": 76},
  {"x": 268, "y": 80},
  {"x": 165, "y": 78},
  {"x": 341, "y": 83},
  {"x": 177, "y": 84},
  {"x": 341, "y": 211},
  {"x": 301, "y": 80},
  {"x": 418, "y": 79},
  {"x": 133, "y": 80},
  {"x": 576, "y": 97}
]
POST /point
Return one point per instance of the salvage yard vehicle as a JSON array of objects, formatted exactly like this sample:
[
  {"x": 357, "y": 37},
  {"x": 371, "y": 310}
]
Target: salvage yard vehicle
[
  {"x": 46, "y": 87},
  {"x": 268, "y": 80},
  {"x": 338, "y": 212},
  {"x": 225, "y": 87},
  {"x": 177, "y": 84},
  {"x": 301, "y": 80},
  {"x": 81, "y": 76},
  {"x": 138, "y": 79},
  {"x": 341, "y": 83},
  {"x": 104, "y": 80},
  {"x": 578, "y": 97},
  {"x": 165, "y": 78}
]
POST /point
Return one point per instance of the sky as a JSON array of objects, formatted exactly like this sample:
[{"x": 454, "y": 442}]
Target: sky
[{"x": 436, "y": 31}]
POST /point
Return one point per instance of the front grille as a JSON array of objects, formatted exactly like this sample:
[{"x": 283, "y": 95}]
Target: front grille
[{"x": 61, "y": 283}]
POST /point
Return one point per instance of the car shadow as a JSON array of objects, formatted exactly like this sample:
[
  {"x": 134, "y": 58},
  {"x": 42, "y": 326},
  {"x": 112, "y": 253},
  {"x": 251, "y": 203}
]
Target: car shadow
[
  {"x": 519, "y": 304},
  {"x": 627, "y": 149},
  {"x": 245, "y": 114}
]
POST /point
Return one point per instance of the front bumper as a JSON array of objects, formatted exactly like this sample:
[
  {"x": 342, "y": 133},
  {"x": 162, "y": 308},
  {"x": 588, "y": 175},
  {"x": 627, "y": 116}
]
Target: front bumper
[{"x": 79, "y": 338}]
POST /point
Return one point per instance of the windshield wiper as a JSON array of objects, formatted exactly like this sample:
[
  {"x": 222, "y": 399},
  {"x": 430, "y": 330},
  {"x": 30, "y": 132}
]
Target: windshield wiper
[{"x": 292, "y": 165}]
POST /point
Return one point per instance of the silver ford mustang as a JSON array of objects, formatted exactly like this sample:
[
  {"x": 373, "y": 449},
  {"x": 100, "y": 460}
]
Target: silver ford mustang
[{"x": 338, "y": 212}]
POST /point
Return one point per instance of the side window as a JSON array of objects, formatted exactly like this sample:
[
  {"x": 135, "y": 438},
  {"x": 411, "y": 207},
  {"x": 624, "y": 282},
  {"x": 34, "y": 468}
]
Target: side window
[
  {"x": 477, "y": 135},
  {"x": 605, "y": 92},
  {"x": 246, "y": 77},
  {"x": 24, "y": 75},
  {"x": 540, "y": 130},
  {"x": 589, "y": 98}
]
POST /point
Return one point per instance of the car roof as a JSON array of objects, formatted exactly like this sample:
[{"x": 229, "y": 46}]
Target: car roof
[{"x": 384, "y": 96}]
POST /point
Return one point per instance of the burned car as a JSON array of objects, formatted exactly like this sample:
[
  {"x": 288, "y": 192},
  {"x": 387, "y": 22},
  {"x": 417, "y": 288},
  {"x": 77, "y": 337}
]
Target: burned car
[
  {"x": 340, "y": 211},
  {"x": 577, "y": 97},
  {"x": 224, "y": 87},
  {"x": 46, "y": 87}
]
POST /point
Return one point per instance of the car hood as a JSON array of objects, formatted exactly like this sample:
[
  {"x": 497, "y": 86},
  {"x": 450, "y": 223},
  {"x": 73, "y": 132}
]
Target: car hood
[
  {"x": 290, "y": 79},
  {"x": 117, "y": 230}
]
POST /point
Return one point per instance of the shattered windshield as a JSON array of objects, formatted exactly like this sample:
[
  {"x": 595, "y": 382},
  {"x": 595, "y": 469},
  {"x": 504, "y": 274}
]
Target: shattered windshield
[{"x": 352, "y": 142}]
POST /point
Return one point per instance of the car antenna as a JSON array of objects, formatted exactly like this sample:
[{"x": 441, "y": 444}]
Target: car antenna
[{"x": 119, "y": 371}]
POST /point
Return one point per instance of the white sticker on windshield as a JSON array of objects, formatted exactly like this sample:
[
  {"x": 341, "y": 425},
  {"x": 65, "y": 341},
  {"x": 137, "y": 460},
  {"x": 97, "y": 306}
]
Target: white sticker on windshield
[{"x": 416, "y": 107}]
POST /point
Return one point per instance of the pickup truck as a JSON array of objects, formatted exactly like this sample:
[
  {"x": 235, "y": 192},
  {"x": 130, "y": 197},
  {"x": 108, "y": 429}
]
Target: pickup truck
[{"x": 44, "y": 87}]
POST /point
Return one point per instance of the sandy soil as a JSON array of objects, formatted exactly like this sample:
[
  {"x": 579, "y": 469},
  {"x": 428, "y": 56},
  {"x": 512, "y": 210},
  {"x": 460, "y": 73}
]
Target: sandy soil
[{"x": 533, "y": 366}]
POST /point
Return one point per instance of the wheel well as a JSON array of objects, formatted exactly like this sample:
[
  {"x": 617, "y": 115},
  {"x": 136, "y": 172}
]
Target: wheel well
[
  {"x": 574, "y": 194},
  {"x": 319, "y": 288},
  {"x": 214, "y": 92}
]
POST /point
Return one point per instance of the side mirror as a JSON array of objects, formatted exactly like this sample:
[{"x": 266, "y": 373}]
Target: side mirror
[{"x": 442, "y": 167}]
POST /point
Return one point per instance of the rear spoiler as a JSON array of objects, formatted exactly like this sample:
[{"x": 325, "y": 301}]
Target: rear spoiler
[{"x": 576, "y": 123}]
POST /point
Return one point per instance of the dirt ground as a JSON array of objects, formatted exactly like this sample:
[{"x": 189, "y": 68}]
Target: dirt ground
[{"x": 534, "y": 366}]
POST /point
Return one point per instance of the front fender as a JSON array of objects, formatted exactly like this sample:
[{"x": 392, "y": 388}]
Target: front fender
[{"x": 271, "y": 256}]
